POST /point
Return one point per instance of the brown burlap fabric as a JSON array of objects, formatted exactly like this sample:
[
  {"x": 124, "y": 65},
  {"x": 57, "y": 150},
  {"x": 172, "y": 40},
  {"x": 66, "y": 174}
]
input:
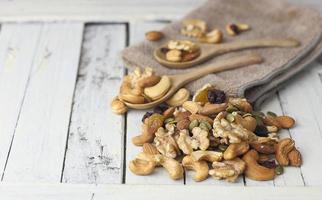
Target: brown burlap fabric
[{"x": 268, "y": 19}]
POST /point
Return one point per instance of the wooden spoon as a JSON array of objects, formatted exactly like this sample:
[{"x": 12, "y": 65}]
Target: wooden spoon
[
  {"x": 178, "y": 81},
  {"x": 208, "y": 51}
]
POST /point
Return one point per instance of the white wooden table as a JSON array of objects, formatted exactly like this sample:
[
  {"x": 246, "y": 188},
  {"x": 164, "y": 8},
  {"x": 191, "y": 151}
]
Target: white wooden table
[{"x": 58, "y": 136}]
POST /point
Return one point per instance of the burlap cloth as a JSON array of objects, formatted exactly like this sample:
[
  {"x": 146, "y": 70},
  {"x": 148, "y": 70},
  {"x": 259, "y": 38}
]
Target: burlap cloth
[{"x": 268, "y": 19}]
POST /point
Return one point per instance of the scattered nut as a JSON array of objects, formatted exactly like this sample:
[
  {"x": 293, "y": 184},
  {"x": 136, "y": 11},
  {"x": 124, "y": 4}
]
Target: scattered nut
[
  {"x": 268, "y": 147},
  {"x": 149, "y": 81},
  {"x": 287, "y": 154},
  {"x": 254, "y": 170},
  {"x": 174, "y": 55},
  {"x": 142, "y": 167},
  {"x": 295, "y": 158},
  {"x": 149, "y": 127},
  {"x": 235, "y": 150},
  {"x": 153, "y": 35},
  {"x": 193, "y": 28},
  {"x": 211, "y": 109},
  {"x": 179, "y": 97},
  {"x": 247, "y": 122},
  {"x": 192, "y": 107},
  {"x": 201, "y": 168},
  {"x": 173, "y": 167},
  {"x": 228, "y": 169},
  {"x": 235, "y": 29},
  {"x": 200, "y": 118},
  {"x": 241, "y": 104},
  {"x": 215, "y": 36},
  {"x": 285, "y": 121},
  {"x": 210, "y": 156},
  {"x": 118, "y": 106},
  {"x": 159, "y": 90},
  {"x": 165, "y": 142},
  {"x": 149, "y": 148}
]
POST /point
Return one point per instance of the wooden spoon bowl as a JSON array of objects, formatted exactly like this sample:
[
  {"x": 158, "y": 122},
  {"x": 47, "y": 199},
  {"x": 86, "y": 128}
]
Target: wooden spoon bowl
[
  {"x": 178, "y": 81},
  {"x": 208, "y": 51}
]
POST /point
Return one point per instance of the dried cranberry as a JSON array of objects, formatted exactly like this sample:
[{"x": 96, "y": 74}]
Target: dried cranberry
[
  {"x": 160, "y": 108},
  {"x": 269, "y": 164},
  {"x": 261, "y": 131},
  {"x": 216, "y": 96},
  {"x": 146, "y": 115}
]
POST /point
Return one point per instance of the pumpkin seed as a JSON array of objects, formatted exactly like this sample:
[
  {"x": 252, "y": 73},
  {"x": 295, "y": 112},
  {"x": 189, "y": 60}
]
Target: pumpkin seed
[
  {"x": 230, "y": 117},
  {"x": 205, "y": 125},
  {"x": 270, "y": 113},
  {"x": 170, "y": 121},
  {"x": 193, "y": 124},
  {"x": 222, "y": 147},
  {"x": 247, "y": 115},
  {"x": 279, "y": 170},
  {"x": 231, "y": 109}
]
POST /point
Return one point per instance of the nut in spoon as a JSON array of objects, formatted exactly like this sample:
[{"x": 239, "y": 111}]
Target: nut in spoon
[
  {"x": 208, "y": 51},
  {"x": 178, "y": 81}
]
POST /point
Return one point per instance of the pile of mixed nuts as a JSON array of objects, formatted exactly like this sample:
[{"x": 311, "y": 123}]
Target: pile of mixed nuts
[{"x": 214, "y": 135}]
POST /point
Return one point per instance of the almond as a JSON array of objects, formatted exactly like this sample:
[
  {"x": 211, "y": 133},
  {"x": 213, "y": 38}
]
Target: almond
[
  {"x": 149, "y": 81},
  {"x": 153, "y": 35},
  {"x": 285, "y": 121},
  {"x": 211, "y": 109}
]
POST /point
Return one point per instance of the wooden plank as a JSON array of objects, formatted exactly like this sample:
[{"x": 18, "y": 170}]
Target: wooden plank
[
  {"x": 95, "y": 143},
  {"x": 134, "y": 117},
  {"x": 292, "y": 175},
  {"x": 95, "y": 10},
  {"x": 16, "y": 58},
  {"x": 137, "y": 192},
  {"x": 301, "y": 100},
  {"x": 100, "y": 10},
  {"x": 38, "y": 149}
]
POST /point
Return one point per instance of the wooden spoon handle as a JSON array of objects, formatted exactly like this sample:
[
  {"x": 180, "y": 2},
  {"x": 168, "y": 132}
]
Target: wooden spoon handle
[
  {"x": 246, "y": 44},
  {"x": 220, "y": 66}
]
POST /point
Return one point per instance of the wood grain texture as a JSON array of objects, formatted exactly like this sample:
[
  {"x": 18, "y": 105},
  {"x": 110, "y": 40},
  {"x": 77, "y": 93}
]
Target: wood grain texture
[
  {"x": 95, "y": 142},
  {"x": 95, "y": 10},
  {"x": 139, "y": 192},
  {"x": 38, "y": 148},
  {"x": 302, "y": 99},
  {"x": 134, "y": 117},
  {"x": 16, "y": 59}
]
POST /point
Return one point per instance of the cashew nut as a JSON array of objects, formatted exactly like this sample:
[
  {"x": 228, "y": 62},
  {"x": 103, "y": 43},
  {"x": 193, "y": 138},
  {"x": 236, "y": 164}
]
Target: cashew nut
[
  {"x": 159, "y": 90},
  {"x": 179, "y": 97},
  {"x": 254, "y": 170},
  {"x": 285, "y": 121},
  {"x": 201, "y": 168},
  {"x": 210, "y": 156},
  {"x": 241, "y": 104},
  {"x": 235, "y": 149},
  {"x": 211, "y": 109},
  {"x": 283, "y": 148},
  {"x": 148, "y": 81},
  {"x": 215, "y": 36},
  {"x": 173, "y": 167},
  {"x": 142, "y": 167},
  {"x": 192, "y": 107},
  {"x": 248, "y": 122},
  {"x": 149, "y": 127}
]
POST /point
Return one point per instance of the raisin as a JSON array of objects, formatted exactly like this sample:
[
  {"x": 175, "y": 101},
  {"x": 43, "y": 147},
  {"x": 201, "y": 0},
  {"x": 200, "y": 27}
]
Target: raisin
[
  {"x": 164, "y": 50},
  {"x": 216, "y": 96},
  {"x": 261, "y": 131},
  {"x": 269, "y": 164},
  {"x": 146, "y": 115},
  {"x": 160, "y": 108}
]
